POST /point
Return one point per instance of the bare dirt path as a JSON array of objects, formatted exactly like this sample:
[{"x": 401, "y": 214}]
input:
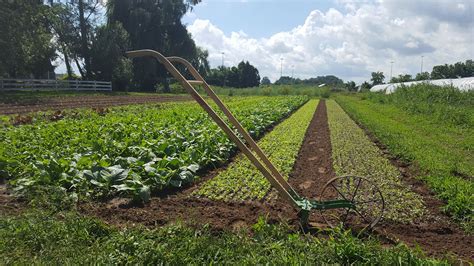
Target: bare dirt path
[{"x": 84, "y": 101}]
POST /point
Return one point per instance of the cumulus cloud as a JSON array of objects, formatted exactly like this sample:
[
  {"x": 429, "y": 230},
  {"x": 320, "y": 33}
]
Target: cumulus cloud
[{"x": 352, "y": 40}]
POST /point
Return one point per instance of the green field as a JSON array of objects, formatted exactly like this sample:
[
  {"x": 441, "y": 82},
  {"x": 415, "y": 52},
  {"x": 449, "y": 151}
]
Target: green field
[
  {"x": 139, "y": 151},
  {"x": 440, "y": 148}
]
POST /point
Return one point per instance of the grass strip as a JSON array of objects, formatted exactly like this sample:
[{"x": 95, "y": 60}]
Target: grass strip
[
  {"x": 442, "y": 152},
  {"x": 67, "y": 239},
  {"x": 354, "y": 154},
  {"x": 242, "y": 181}
]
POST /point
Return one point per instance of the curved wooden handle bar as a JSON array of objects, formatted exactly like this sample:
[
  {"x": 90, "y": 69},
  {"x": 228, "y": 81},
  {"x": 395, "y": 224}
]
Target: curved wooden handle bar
[
  {"x": 230, "y": 133},
  {"x": 234, "y": 122}
]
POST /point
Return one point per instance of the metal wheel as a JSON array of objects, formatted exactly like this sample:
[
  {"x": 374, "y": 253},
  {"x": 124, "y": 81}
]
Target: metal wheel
[{"x": 363, "y": 193}]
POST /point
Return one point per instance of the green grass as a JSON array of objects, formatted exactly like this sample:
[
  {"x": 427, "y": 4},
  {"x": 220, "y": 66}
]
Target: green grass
[
  {"x": 242, "y": 181},
  {"x": 268, "y": 90},
  {"x": 354, "y": 153},
  {"x": 446, "y": 105},
  {"x": 443, "y": 152},
  {"x": 68, "y": 238}
]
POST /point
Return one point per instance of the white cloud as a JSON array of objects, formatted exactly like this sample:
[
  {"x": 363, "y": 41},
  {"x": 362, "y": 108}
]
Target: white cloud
[{"x": 352, "y": 42}]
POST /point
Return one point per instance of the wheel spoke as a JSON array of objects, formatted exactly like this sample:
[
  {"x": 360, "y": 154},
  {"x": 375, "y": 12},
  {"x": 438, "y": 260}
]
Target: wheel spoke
[
  {"x": 362, "y": 216},
  {"x": 355, "y": 192},
  {"x": 338, "y": 191},
  {"x": 364, "y": 194}
]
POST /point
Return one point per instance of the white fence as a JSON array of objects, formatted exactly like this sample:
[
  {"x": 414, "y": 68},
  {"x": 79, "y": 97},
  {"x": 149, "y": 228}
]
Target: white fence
[{"x": 53, "y": 85}]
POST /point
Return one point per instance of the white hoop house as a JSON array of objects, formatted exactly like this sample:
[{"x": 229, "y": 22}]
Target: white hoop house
[{"x": 463, "y": 84}]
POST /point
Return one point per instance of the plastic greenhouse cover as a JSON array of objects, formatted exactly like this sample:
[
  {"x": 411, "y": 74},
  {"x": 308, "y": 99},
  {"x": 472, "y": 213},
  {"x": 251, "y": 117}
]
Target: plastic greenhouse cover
[{"x": 463, "y": 84}]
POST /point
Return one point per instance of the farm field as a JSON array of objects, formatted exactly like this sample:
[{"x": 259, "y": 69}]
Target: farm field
[
  {"x": 27, "y": 102},
  {"x": 242, "y": 181},
  {"x": 163, "y": 157},
  {"x": 201, "y": 132},
  {"x": 130, "y": 151},
  {"x": 442, "y": 153}
]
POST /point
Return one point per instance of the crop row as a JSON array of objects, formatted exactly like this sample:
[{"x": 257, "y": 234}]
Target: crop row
[
  {"x": 131, "y": 150},
  {"x": 441, "y": 151},
  {"x": 354, "y": 154},
  {"x": 242, "y": 181}
]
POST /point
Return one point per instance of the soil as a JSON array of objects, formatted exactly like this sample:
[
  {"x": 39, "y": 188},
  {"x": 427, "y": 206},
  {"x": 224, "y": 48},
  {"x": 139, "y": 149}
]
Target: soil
[
  {"x": 8, "y": 204},
  {"x": 83, "y": 101}
]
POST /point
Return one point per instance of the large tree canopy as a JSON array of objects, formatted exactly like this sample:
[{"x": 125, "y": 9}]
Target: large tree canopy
[
  {"x": 25, "y": 39},
  {"x": 243, "y": 75},
  {"x": 153, "y": 24}
]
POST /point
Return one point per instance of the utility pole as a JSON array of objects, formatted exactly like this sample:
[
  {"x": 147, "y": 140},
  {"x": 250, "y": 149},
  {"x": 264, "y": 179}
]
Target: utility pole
[
  {"x": 391, "y": 68},
  {"x": 223, "y": 70},
  {"x": 281, "y": 67},
  {"x": 421, "y": 68},
  {"x": 292, "y": 71}
]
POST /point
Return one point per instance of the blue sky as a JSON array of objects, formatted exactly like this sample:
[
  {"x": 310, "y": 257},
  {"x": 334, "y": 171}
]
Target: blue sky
[
  {"x": 346, "y": 38},
  {"x": 257, "y": 18}
]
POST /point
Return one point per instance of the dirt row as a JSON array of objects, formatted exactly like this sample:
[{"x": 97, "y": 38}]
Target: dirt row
[
  {"x": 85, "y": 101},
  {"x": 434, "y": 233}
]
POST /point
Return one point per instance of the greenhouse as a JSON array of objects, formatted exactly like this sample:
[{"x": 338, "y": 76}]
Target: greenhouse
[{"x": 463, "y": 84}]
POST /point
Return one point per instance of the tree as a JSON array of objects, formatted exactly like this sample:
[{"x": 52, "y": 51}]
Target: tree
[
  {"x": 265, "y": 81},
  {"x": 458, "y": 70},
  {"x": 422, "y": 76},
  {"x": 365, "y": 86},
  {"x": 327, "y": 80},
  {"x": 442, "y": 72},
  {"x": 154, "y": 24},
  {"x": 200, "y": 62},
  {"x": 66, "y": 36},
  {"x": 377, "y": 78},
  {"x": 401, "y": 78},
  {"x": 248, "y": 75},
  {"x": 74, "y": 24},
  {"x": 351, "y": 86},
  {"x": 25, "y": 39},
  {"x": 243, "y": 75},
  {"x": 285, "y": 80},
  {"x": 107, "y": 55}
]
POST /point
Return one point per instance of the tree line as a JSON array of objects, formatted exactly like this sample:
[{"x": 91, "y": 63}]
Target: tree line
[
  {"x": 93, "y": 39},
  {"x": 329, "y": 80}
]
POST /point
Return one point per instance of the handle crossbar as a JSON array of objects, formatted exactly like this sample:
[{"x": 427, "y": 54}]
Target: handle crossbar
[{"x": 263, "y": 165}]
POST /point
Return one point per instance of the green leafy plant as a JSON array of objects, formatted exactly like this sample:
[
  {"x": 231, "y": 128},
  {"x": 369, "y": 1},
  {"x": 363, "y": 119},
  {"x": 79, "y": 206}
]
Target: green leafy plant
[
  {"x": 354, "y": 153},
  {"x": 242, "y": 181},
  {"x": 130, "y": 151}
]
